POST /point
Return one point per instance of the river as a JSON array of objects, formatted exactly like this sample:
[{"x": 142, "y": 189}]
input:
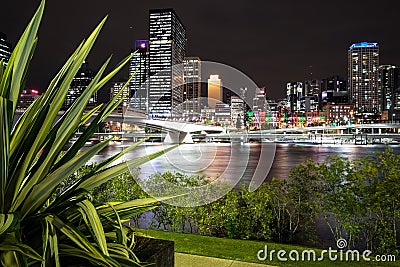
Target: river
[{"x": 216, "y": 159}]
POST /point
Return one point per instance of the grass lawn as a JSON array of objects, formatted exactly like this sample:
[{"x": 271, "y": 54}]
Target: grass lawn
[{"x": 243, "y": 250}]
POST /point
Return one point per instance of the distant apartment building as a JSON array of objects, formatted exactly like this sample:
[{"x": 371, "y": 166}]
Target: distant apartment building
[
  {"x": 260, "y": 100},
  {"x": 208, "y": 113},
  {"x": 337, "y": 114},
  {"x": 272, "y": 117},
  {"x": 26, "y": 98},
  {"x": 294, "y": 94},
  {"x": 5, "y": 48},
  {"x": 139, "y": 85},
  {"x": 334, "y": 90},
  {"x": 363, "y": 63},
  {"x": 310, "y": 100},
  {"x": 114, "y": 90},
  {"x": 222, "y": 113},
  {"x": 237, "y": 112},
  {"x": 260, "y": 107},
  {"x": 389, "y": 91},
  {"x": 167, "y": 46},
  {"x": 227, "y": 94},
  {"x": 214, "y": 90},
  {"x": 79, "y": 83},
  {"x": 192, "y": 87}
]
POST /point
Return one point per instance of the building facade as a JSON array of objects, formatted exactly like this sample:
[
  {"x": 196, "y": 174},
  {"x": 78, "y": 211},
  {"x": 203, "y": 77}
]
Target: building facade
[
  {"x": 237, "y": 112},
  {"x": 389, "y": 91},
  {"x": 79, "y": 83},
  {"x": 192, "y": 87},
  {"x": 26, "y": 98},
  {"x": 214, "y": 90},
  {"x": 139, "y": 85},
  {"x": 310, "y": 100},
  {"x": 167, "y": 45},
  {"x": 294, "y": 94},
  {"x": 334, "y": 90},
  {"x": 223, "y": 114},
  {"x": 5, "y": 48},
  {"x": 260, "y": 107},
  {"x": 363, "y": 63},
  {"x": 114, "y": 90},
  {"x": 338, "y": 114}
]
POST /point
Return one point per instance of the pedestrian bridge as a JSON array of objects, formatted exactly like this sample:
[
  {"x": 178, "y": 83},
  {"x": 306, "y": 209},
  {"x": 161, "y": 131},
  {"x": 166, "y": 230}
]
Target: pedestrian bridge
[{"x": 178, "y": 132}]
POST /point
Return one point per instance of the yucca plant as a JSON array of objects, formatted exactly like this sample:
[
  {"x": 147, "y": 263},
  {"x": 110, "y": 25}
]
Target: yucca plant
[{"x": 38, "y": 226}]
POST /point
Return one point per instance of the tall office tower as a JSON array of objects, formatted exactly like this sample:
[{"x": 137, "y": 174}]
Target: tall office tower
[
  {"x": 5, "y": 48},
  {"x": 78, "y": 84},
  {"x": 363, "y": 63},
  {"x": 389, "y": 91},
  {"x": 167, "y": 45},
  {"x": 227, "y": 94},
  {"x": 139, "y": 85},
  {"x": 192, "y": 87},
  {"x": 294, "y": 93},
  {"x": 311, "y": 98},
  {"x": 334, "y": 90},
  {"x": 237, "y": 112},
  {"x": 260, "y": 107},
  {"x": 214, "y": 90},
  {"x": 114, "y": 90},
  {"x": 260, "y": 100}
]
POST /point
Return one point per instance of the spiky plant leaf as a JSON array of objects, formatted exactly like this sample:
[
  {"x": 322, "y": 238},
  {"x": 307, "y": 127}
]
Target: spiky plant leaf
[{"x": 38, "y": 226}]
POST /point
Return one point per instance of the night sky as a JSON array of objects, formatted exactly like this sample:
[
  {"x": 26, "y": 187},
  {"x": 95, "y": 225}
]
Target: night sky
[{"x": 271, "y": 41}]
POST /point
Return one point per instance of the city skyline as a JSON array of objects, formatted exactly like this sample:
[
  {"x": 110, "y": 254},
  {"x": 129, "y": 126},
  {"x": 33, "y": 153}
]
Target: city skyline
[{"x": 272, "y": 44}]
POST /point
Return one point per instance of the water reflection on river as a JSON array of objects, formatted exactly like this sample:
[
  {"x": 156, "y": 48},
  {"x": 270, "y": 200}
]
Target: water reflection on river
[{"x": 212, "y": 159}]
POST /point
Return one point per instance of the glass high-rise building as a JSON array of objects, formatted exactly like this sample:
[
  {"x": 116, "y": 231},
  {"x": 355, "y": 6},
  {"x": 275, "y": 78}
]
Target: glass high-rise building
[
  {"x": 5, "y": 48},
  {"x": 114, "y": 90},
  {"x": 167, "y": 45},
  {"x": 192, "y": 87},
  {"x": 79, "y": 83},
  {"x": 294, "y": 93},
  {"x": 139, "y": 85},
  {"x": 334, "y": 90},
  {"x": 389, "y": 90},
  {"x": 363, "y": 63},
  {"x": 310, "y": 101}
]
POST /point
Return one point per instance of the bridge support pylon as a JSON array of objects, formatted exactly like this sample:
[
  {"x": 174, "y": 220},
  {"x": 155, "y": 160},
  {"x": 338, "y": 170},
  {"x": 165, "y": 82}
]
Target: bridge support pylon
[{"x": 178, "y": 138}]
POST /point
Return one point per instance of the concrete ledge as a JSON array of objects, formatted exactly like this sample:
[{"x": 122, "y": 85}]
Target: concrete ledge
[{"x": 157, "y": 251}]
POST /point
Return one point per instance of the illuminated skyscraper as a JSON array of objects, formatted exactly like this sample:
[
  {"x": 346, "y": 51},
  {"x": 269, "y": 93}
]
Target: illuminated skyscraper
[
  {"x": 237, "y": 112},
  {"x": 139, "y": 85},
  {"x": 389, "y": 90},
  {"x": 334, "y": 90},
  {"x": 167, "y": 44},
  {"x": 5, "y": 48},
  {"x": 214, "y": 90},
  {"x": 294, "y": 93},
  {"x": 192, "y": 87},
  {"x": 363, "y": 63},
  {"x": 79, "y": 83},
  {"x": 114, "y": 90}
]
